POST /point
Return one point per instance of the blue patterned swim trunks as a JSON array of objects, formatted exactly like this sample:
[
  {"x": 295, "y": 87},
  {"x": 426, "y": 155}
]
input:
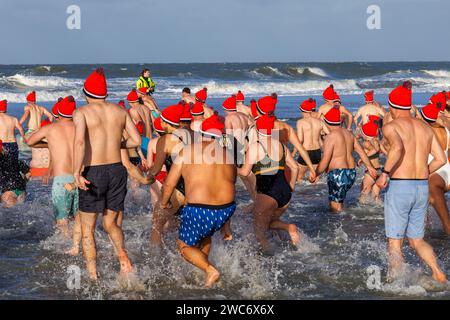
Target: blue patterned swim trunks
[
  {"x": 339, "y": 183},
  {"x": 199, "y": 221}
]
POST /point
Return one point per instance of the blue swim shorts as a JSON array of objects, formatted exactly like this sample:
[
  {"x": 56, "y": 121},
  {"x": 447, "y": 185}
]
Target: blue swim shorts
[
  {"x": 405, "y": 207},
  {"x": 199, "y": 221},
  {"x": 339, "y": 183}
]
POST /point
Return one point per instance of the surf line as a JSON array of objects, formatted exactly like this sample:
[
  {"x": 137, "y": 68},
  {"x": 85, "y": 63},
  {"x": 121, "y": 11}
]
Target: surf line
[{"x": 187, "y": 310}]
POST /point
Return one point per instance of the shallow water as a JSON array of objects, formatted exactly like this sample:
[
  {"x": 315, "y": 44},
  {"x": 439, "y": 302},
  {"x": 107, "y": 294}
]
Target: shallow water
[{"x": 331, "y": 262}]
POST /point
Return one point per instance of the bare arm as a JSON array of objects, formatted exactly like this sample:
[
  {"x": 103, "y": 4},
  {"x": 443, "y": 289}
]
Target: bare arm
[
  {"x": 292, "y": 164},
  {"x": 26, "y": 114},
  {"x": 396, "y": 147},
  {"x": 439, "y": 158},
  {"x": 79, "y": 147},
  {"x": 365, "y": 159},
  {"x": 171, "y": 181},
  {"x": 20, "y": 129},
  {"x": 349, "y": 115},
  {"x": 37, "y": 137},
  {"x": 328, "y": 147},
  {"x": 297, "y": 145},
  {"x": 356, "y": 119},
  {"x": 47, "y": 113},
  {"x": 249, "y": 161},
  {"x": 134, "y": 139},
  {"x": 160, "y": 156}
]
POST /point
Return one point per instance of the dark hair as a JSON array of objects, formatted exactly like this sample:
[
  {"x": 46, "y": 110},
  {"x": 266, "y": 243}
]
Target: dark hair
[
  {"x": 144, "y": 71},
  {"x": 186, "y": 90}
]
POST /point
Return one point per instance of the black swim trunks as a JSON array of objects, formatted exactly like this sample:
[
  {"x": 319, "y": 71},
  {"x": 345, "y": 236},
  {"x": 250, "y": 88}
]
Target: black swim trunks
[
  {"x": 107, "y": 188},
  {"x": 314, "y": 155},
  {"x": 10, "y": 169}
]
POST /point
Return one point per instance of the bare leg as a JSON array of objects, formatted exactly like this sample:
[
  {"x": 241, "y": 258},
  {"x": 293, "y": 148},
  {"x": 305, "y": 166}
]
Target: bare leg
[
  {"x": 76, "y": 237},
  {"x": 119, "y": 219},
  {"x": 437, "y": 200},
  {"x": 376, "y": 193},
  {"x": 116, "y": 235},
  {"x": 395, "y": 257},
  {"x": 301, "y": 172},
  {"x": 161, "y": 216},
  {"x": 226, "y": 231},
  {"x": 366, "y": 188},
  {"x": 336, "y": 207},
  {"x": 265, "y": 207},
  {"x": 199, "y": 259},
  {"x": 90, "y": 252},
  {"x": 426, "y": 253},
  {"x": 63, "y": 227},
  {"x": 250, "y": 184},
  {"x": 9, "y": 199}
]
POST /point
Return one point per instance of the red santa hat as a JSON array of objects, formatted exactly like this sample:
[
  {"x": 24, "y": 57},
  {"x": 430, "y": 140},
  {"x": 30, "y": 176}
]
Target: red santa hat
[
  {"x": 95, "y": 85},
  {"x": 329, "y": 94},
  {"x": 122, "y": 104},
  {"x": 186, "y": 115},
  {"x": 240, "y": 96},
  {"x": 172, "y": 114},
  {"x": 308, "y": 105},
  {"x": 3, "y": 106},
  {"x": 267, "y": 104},
  {"x": 265, "y": 124},
  {"x": 401, "y": 97},
  {"x": 369, "y": 96},
  {"x": 201, "y": 95},
  {"x": 132, "y": 96},
  {"x": 197, "y": 109},
  {"x": 55, "y": 108},
  {"x": 213, "y": 126},
  {"x": 333, "y": 117},
  {"x": 45, "y": 122},
  {"x": 66, "y": 107},
  {"x": 253, "y": 109},
  {"x": 431, "y": 112},
  {"x": 375, "y": 119},
  {"x": 370, "y": 129},
  {"x": 441, "y": 98},
  {"x": 157, "y": 125},
  {"x": 230, "y": 103},
  {"x": 31, "y": 97}
]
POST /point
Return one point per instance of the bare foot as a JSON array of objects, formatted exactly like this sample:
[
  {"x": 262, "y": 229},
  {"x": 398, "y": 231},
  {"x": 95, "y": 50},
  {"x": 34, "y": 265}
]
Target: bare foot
[
  {"x": 74, "y": 251},
  {"x": 125, "y": 264},
  {"x": 439, "y": 277},
  {"x": 226, "y": 232},
  {"x": 294, "y": 234},
  {"x": 212, "y": 276}
]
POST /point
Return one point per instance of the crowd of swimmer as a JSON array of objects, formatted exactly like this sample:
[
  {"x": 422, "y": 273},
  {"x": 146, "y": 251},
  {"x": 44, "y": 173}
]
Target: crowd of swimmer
[{"x": 183, "y": 152}]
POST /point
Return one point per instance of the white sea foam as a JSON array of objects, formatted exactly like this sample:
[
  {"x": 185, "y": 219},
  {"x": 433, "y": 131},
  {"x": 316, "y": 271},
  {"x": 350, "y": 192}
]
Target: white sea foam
[{"x": 438, "y": 73}]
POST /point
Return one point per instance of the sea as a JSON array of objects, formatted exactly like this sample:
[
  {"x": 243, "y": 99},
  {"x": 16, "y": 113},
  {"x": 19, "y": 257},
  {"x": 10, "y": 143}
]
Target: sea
[{"x": 340, "y": 256}]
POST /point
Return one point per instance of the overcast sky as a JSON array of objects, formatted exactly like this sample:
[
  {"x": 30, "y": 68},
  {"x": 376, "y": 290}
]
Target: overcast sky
[{"x": 152, "y": 31}]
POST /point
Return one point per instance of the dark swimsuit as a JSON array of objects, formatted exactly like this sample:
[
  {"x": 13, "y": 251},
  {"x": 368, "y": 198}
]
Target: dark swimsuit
[
  {"x": 270, "y": 179},
  {"x": 169, "y": 163},
  {"x": 314, "y": 155}
]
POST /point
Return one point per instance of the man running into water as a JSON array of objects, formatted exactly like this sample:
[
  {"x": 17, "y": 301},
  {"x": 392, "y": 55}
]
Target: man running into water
[
  {"x": 139, "y": 113},
  {"x": 186, "y": 95},
  {"x": 58, "y": 138},
  {"x": 40, "y": 158},
  {"x": 241, "y": 107},
  {"x": 268, "y": 159},
  {"x": 98, "y": 171},
  {"x": 333, "y": 100},
  {"x": 210, "y": 202},
  {"x": 201, "y": 97},
  {"x": 373, "y": 148},
  {"x": 12, "y": 183},
  {"x": 309, "y": 132},
  {"x": 371, "y": 108},
  {"x": 440, "y": 180},
  {"x": 406, "y": 171},
  {"x": 338, "y": 161}
]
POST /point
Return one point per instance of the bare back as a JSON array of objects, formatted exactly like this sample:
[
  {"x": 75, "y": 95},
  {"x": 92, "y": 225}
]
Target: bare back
[
  {"x": 238, "y": 123},
  {"x": 35, "y": 117},
  {"x": 60, "y": 139},
  {"x": 242, "y": 108},
  {"x": 416, "y": 137},
  {"x": 200, "y": 188},
  {"x": 105, "y": 124},
  {"x": 7, "y": 128},
  {"x": 342, "y": 142},
  {"x": 369, "y": 109},
  {"x": 309, "y": 132}
]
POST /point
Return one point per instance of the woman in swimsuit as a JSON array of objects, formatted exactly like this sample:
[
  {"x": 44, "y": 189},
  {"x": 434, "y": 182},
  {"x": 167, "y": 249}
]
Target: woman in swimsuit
[{"x": 267, "y": 158}]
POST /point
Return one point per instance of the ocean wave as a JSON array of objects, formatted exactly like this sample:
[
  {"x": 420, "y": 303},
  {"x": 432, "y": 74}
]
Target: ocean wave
[
  {"x": 42, "y": 95},
  {"x": 26, "y": 81},
  {"x": 307, "y": 71},
  {"x": 267, "y": 72},
  {"x": 438, "y": 73}
]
